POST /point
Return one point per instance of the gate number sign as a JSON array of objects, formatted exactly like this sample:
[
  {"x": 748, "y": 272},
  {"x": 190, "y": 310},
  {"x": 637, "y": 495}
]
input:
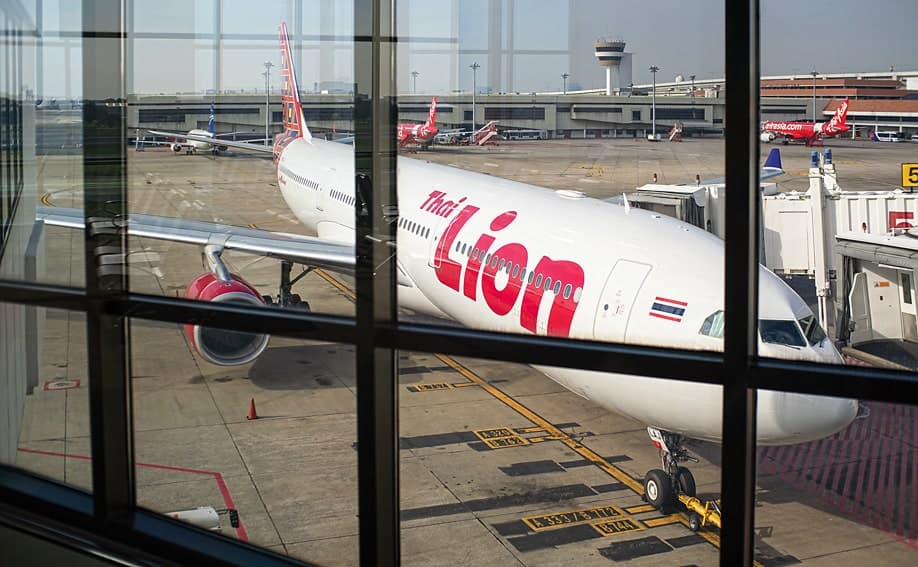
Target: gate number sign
[{"x": 910, "y": 174}]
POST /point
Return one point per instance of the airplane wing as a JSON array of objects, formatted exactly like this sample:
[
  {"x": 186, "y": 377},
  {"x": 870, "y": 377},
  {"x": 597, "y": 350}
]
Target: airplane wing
[
  {"x": 299, "y": 249},
  {"x": 267, "y": 149}
]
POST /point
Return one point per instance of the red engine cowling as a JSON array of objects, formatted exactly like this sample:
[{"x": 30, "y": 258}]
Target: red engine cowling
[
  {"x": 176, "y": 148},
  {"x": 222, "y": 346}
]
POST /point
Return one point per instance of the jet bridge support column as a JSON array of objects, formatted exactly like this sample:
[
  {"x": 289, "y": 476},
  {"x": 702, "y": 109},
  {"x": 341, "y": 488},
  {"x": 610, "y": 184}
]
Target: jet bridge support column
[{"x": 821, "y": 176}]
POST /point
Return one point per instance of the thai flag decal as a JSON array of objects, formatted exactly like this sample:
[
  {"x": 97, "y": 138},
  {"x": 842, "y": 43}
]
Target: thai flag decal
[{"x": 669, "y": 309}]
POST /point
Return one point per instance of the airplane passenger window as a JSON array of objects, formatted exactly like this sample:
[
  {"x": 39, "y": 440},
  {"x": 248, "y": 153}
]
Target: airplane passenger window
[
  {"x": 516, "y": 270},
  {"x": 487, "y": 259},
  {"x": 782, "y": 332},
  {"x": 538, "y": 280},
  {"x": 494, "y": 261},
  {"x": 475, "y": 253},
  {"x": 547, "y": 283},
  {"x": 503, "y": 263},
  {"x": 713, "y": 325},
  {"x": 529, "y": 279},
  {"x": 567, "y": 291},
  {"x": 557, "y": 289}
]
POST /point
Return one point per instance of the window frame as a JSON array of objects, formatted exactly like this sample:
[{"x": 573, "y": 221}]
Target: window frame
[{"x": 111, "y": 510}]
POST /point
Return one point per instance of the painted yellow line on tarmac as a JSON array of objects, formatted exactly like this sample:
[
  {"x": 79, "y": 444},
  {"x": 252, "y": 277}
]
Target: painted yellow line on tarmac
[
  {"x": 334, "y": 282},
  {"x": 519, "y": 408},
  {"x": 640, "y": 509},
  {"x": 551, "y": 430}
]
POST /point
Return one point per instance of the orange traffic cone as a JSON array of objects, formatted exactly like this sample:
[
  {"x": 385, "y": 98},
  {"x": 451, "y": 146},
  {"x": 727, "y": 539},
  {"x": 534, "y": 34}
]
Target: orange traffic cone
[{"x": 252, "y": 414}]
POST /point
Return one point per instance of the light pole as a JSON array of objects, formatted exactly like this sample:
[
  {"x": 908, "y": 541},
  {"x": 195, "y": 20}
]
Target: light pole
[
  {"x": 653, "y": 102},
  {"x": 267, "y": 75},
  {"x": 414, "y": 75},
  {"x": 564, "y": 76},
  {"x": 814, "y": 73},
  {"x": 474, "y": 67},
  {"x": 692, "y": 77}
]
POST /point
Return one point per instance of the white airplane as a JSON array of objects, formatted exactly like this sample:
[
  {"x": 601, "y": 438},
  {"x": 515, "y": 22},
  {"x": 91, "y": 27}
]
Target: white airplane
[
  {"x": 195, "y": 140},
  {"x": 506, "y": 256}
]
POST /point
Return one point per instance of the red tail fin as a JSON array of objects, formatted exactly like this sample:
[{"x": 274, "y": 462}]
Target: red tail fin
[
  {"x": 838, "y": 119},
  {"x": 432, "y": 114},
  {"x": 290, "y": 92}
]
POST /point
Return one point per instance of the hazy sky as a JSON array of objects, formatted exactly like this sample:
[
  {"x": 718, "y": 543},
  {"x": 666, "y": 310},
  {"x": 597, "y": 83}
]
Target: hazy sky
[{"x": 681, "y": 37}]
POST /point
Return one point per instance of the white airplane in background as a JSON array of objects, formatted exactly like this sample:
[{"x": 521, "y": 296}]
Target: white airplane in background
[
  {"x": 506, "y": 256},
  {"x": 196, "y": 140}
]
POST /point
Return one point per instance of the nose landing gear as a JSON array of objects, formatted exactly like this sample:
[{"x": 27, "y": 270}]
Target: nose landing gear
[{"x": 663, "y": 486}]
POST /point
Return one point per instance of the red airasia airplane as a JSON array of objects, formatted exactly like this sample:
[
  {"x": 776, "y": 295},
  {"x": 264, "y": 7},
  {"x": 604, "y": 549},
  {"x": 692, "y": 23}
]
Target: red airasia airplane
[
  {"x": 420, "y": 134},
  {"x": 807, "y": 131}
]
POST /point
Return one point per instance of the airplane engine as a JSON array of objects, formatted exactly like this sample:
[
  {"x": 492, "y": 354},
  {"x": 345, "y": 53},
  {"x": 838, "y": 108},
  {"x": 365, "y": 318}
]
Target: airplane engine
[
  {"x": 176, "y": 148},
  {"x": 222, "y": 346}
]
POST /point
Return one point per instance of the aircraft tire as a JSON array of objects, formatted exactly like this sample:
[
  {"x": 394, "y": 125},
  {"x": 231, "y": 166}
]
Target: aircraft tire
[
  {"x": 694, "y": 522},
  {"x": 685, "y": 481},
  {"x": 658, "y": 489}
]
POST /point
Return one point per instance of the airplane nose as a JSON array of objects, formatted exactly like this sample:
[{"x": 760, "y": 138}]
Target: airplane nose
[{"x": 798, "y": 418}]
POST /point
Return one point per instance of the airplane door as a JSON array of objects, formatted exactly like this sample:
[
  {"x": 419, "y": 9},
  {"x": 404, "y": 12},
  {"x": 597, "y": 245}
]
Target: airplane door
[
  {"x": 859, "y": 305},
  {"x": 907, "y": 306},
  {"x": 617, "y": 300},
  {"x": 435, "y": 236}
]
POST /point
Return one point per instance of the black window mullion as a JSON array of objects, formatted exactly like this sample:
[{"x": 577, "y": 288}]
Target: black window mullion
[
  {"x": 741, "y": 281},
  {"x": 375, "y": 154},
  {"x": 105, "y": 202}
]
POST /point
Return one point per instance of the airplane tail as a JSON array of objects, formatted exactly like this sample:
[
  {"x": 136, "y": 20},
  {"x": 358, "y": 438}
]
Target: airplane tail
[
  {"x": 210, "y": 122},
  {"x": 837, "y": 123},
  {"x": 432, "y": 114},
  {"x": 774, "y": 159},
  {"x": 294, "y": 125}
]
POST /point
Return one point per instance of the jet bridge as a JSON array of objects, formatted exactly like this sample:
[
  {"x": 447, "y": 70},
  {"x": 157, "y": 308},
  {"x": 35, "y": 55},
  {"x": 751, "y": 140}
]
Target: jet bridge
[{"x": 857, "y": 246}]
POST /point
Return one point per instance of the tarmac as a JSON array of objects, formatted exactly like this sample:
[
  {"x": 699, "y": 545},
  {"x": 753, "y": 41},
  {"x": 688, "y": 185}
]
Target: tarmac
[{"x": 499, "y": 465}]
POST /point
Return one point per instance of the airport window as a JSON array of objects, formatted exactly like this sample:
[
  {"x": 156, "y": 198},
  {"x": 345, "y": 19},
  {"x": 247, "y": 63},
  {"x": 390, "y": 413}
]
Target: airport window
[
  {"x": 177, "y": 390},
  {"x": 514, "y": 113},
  {"x": 680, "y": 113}
]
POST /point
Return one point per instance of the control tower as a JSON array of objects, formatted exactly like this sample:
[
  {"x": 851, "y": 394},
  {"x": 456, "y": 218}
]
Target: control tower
[{"x": 612, "y": 56}]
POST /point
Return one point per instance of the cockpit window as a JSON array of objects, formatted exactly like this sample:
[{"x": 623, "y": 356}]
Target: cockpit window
[
  {"x": 812, "y": 330},
  {"x": 713, "y": 326},
  {"x": 781, "y": 332}
]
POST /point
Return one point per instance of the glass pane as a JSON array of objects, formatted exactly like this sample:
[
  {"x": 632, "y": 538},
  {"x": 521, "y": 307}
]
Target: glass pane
[
  {"x": 836, "y": 225},
  {"x": 45, "y": 401},
  {"x": 229, "y": 200},
  {"x": 503, "y": 456},
  {"x": 841, "y": 497},
  {"x": 515, "y": 158},
  {"x": 264, "y": 450},
  {"x": 41, "y": 145}
]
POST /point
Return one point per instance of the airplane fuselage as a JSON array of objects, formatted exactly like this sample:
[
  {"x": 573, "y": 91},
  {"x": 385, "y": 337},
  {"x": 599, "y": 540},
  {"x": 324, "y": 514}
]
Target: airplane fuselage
[{"x": 500, "y": 255}]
